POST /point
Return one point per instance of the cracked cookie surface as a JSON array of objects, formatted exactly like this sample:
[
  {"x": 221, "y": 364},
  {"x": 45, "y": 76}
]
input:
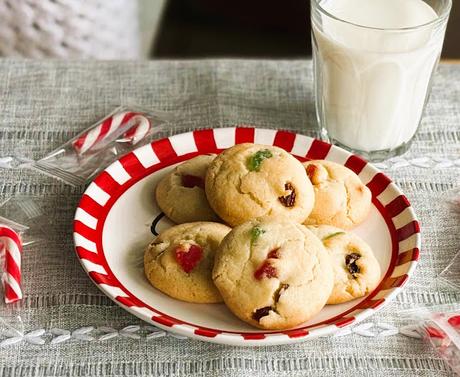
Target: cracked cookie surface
[
  {"x": 249, "y": 181},
  {"x": 180, "y": 194},
  {"x": 179, "y": 261},
  {"x": 273, "y": 274},
  {"x": 356, "y": 270},
  {"x": 341, "y": 199}
]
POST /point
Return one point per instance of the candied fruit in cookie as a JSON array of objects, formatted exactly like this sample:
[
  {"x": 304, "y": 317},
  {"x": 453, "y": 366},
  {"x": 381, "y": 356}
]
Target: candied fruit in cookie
[
  {"x": 274, "y": 254},
  {"x": 266, "y": 270},
  {"x": 255, "y": 160},
  {"x": 262, "y": 312},
  {"x": 350, "y": 261},
  {"x": 188, "y": 256},
  {"x": 317, "y": 173},
  {"x": 289, "y": 199},
  {"x": 256, "y": 232},
  {"x": 191, "y": 181}
]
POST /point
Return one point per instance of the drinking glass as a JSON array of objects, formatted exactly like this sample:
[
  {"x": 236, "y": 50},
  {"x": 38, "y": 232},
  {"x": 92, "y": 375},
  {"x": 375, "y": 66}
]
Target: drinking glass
[{"x": 372, "y": 83}]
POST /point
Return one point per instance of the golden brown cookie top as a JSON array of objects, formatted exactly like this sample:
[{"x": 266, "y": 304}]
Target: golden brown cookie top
[
  {"x": 250, "y": 180},
  {"x": 356, "y": 270},
  {"x": 273, "y": 274},
  {"x": 180, "y": 194},
  {"x": 341, "y": 199},
  {"x": 179, "y": 261}
]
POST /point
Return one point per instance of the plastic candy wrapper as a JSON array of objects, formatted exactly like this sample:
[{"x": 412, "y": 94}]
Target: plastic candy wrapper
[
  {"x": 442, "y": 330},
  {"x": 11, "y": 248},
  {"x": 451, "y": 274},
  {"x": 14, "y": 236},
  {"x": 439, "y": 326},
  {"x": 81, "y": 158},
  {"x": 22, "y": 224}
]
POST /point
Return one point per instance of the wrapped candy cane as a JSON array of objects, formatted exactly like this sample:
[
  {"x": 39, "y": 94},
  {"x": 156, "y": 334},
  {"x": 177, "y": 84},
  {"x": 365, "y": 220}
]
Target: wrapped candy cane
[
  {"x": 438, "y": 326},
  {"x": 442, "y": 330},
  {"x": 23, "y": 223},
  {"x": 137, "y": 125},
  {"x": 80, "y": 159},
  {"x": 11, "y": 247}
]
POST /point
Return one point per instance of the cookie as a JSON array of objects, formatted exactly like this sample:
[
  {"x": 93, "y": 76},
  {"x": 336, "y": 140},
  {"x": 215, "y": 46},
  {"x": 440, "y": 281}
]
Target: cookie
[
  {"x": 179, "y": 261},
  {"x": 180, "y": 194},
  {"x": 250, "y": 180},
  {"x": 341, "y": 199},
  {"x": 356, "y": 270},
  {"x": 273, "y": 274}
]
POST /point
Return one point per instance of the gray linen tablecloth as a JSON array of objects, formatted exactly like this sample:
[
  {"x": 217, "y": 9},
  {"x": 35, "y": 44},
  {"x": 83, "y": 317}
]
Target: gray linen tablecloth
[{"x": 43, "y": 104}]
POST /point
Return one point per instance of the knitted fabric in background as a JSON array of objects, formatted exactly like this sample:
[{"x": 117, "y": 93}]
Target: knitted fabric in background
[{"x": 67, "y": 29}]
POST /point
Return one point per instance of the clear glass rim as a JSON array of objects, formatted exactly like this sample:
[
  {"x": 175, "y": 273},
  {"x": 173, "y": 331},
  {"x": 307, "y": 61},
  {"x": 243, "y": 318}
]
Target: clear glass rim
[{"x": 441, "y": 18}]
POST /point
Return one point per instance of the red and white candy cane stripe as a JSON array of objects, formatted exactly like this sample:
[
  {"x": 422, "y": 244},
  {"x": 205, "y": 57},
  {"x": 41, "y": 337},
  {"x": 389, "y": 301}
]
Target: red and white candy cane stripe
[
  {"x": 11, "y": 246},
  {"x": 140, "y": 127}
]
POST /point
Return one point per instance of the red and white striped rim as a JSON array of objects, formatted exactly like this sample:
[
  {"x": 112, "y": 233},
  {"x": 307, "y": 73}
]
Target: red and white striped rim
[{"x": 104, "y": 191}]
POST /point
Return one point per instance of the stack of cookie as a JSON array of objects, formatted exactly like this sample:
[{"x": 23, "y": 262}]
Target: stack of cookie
[{"x": 285, "y": 251}]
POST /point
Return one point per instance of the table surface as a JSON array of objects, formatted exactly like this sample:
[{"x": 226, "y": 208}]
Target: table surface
[{"x": 44, "y": 103}]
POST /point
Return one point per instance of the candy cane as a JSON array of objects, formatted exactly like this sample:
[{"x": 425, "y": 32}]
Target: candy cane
[
  {"x": 141, "y": 126},
  {"x": 11, "y": 245}
]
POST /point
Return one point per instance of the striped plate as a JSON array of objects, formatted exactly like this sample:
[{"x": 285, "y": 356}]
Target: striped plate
[{"x": 112, "y": 227}]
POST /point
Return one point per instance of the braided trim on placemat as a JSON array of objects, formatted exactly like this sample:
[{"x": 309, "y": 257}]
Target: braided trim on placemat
[
  {"x": 104, "y": 333},
  {"x": 427, "y": 162}
]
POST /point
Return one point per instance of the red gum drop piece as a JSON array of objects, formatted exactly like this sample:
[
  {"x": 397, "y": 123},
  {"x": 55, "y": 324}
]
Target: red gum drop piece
[
  {"x": 191, "y": 181},
  {"x": 188, "y": 259},
  {"x": 311, "y": 169},
  {"x": 273, "y": 254},
  {"x": 435, "y": 333},
  {"x": 454, "y": 321},
  {"x": 266, "y": 270}
]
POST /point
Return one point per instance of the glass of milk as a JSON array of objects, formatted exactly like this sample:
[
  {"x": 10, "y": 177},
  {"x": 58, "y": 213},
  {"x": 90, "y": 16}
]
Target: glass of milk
[{"x": 373, "y": 65}]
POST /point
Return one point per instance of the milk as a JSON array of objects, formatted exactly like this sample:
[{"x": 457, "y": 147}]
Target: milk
[{"x": 372, "y": 84}]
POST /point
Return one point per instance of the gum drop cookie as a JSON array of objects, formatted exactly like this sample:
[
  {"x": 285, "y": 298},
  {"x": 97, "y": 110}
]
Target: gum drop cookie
[
  {"x": 273, "y": 274},
  {"x": 250, "y": 180},
  {"x": 181, "y": 195},
  {"x": 341, "y": 199},
  {"x": 179, "y": 261},
  {"x": 356, "y": 270}
]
